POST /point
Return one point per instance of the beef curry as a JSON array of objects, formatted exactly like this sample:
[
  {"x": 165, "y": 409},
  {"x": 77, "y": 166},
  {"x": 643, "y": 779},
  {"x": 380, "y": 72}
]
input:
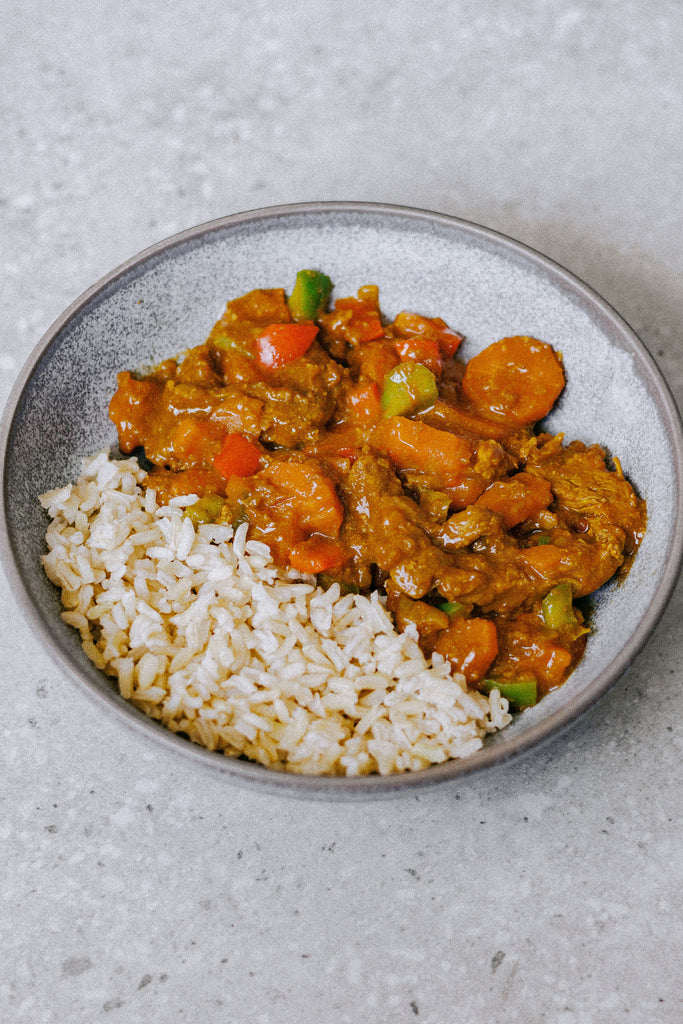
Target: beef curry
[{"x": 367, "y": 453}]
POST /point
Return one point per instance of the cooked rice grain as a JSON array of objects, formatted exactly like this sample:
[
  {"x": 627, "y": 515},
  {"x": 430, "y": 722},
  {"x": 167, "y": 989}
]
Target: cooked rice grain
[{"x": 204, "y": 633}]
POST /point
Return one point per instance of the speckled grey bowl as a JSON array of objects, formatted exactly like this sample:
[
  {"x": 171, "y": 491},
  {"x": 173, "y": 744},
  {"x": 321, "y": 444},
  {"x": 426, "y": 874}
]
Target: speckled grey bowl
[{"x": 483, "y": 284}]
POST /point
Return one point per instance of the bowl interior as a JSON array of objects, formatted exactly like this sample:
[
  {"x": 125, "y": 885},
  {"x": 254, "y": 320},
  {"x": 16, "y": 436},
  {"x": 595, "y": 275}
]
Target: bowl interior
[{"x": 482, "y": 284}]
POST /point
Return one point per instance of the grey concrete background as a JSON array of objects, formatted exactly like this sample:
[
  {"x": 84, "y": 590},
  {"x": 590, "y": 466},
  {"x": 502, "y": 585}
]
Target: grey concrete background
[{"x": 135, "y": 889}]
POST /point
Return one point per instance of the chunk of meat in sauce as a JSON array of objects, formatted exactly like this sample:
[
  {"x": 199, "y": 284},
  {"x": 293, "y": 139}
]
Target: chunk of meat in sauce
[{"x": 456, "y": 510}]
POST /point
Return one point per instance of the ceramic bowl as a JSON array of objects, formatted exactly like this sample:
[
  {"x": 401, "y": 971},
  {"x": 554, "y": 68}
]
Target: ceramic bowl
[{"x": 483, "y": 284}]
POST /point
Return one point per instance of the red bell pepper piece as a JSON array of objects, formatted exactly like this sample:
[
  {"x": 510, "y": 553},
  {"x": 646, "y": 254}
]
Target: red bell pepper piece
[
  {"x": 237, "y": 457},
  {"x": 283, "y": 343},
  {"x": 364, "y": 403},
  {"x": 429, "y": 327},
  {"x": 421, "y": 349},
  {"x": 364, "y": 323}
]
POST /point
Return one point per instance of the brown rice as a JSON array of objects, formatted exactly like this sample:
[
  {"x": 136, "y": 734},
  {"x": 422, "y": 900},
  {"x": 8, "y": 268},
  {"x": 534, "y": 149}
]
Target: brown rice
[{"x": 204, "y": 633}]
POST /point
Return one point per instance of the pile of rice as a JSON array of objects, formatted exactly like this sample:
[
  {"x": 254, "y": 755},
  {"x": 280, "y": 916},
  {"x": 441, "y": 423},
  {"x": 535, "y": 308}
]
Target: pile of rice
[{"x": 204, "y": 633}]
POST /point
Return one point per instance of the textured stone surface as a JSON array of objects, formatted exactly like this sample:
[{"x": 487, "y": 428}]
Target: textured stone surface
[{"x": 135, "y": 889}]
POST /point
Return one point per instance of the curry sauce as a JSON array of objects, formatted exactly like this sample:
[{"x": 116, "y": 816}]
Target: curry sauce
[{"x": 366, "y": 452}]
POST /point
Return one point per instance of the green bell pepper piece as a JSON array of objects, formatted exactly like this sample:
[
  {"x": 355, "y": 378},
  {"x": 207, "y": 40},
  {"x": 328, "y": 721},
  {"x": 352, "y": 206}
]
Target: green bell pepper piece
[
  {"x": 407, "y": 389},
  {"x": 557, "y": 607},
  {"x": 206, "y": 510},
  {"x": 451, "y": 607},
  {"x": 521, "y": 693},
  {"x": 325, "y": 581},
  {"x": 309, "y": 295}
]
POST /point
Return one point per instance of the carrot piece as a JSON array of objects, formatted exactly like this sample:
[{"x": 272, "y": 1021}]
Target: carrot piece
[
  {"x": 283, "y": 343},
  {"x": 471, "y": 646},
  {"x": 412, "y": 444},
  {"x": 237, "y": 457},
  {"x": 308, "y": 496},
  {"x": 556, "y": 662},
  {"x": 519, "y": 378},
  {"x": 355, "y": 305},
  {"x": 465, "y": 492},
  {"x": 517, "y": 498},
  {"x": 547, "y": 561},
  {"x": 547, "y": 661},
  {"x": 368, "y": 328},
  {"x": 317, "y": 554}
]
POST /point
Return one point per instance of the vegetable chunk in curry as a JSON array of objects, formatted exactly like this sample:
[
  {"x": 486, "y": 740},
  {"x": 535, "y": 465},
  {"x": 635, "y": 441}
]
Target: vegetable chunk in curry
[{"x": 366, "y": 452}]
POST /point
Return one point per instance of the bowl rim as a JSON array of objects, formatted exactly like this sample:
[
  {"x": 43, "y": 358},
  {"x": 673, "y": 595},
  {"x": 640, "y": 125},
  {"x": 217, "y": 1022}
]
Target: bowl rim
[{"x": 370, "y": 786}]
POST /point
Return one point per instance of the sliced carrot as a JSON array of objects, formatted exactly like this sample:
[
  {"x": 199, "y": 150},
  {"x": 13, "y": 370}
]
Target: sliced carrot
[
  {"x": 308, "y": 496},
  {"x": 471, "y": 646},
  {"x": 556, "y": 661},
  {"x": 517, "y": 498},
  {"x": 317, "y": 554},
  {"x": 547, "y": 561},
  {"x": 413, "y": 445},
  {"x": 281, "y": 344},
  {"x": 237, "y": 457},
  {"x": 465, "y": 492},
  {"x": 519, "y": 378}
]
